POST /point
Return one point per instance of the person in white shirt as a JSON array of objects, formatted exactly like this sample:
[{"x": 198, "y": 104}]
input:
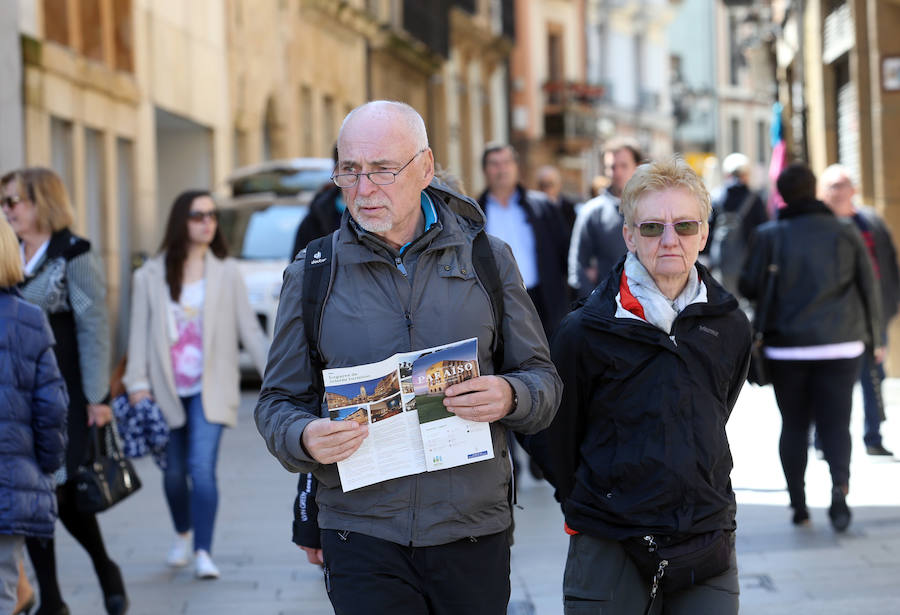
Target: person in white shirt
[{"x": 534, "y": 229}]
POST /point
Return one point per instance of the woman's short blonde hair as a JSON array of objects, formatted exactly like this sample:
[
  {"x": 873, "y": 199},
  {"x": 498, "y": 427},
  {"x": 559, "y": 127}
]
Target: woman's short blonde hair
[
  {"x": 44, "y": 188},
  {"x": 663, "y": 175},
  {"x": 10, "y": 259}
]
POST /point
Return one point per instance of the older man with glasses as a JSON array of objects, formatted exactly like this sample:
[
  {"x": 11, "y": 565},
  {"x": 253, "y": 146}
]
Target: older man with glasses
[{"x": 403, "y": 279}]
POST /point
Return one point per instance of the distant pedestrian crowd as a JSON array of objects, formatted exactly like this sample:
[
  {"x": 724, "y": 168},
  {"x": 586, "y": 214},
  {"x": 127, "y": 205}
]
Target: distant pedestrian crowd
[{"x": 613, "y": 337}]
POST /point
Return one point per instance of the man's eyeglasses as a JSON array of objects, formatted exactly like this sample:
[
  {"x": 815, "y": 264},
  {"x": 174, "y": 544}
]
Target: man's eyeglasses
[
  {"x": 199, "y": 216},
  {"x": 10, "y": 202},
  {"x": 380, "y": 178},
  {"x": 682, "y": 227}
]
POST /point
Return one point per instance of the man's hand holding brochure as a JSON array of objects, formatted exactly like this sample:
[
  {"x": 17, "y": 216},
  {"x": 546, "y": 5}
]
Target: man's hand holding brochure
[{"x": 393, "y": 413}]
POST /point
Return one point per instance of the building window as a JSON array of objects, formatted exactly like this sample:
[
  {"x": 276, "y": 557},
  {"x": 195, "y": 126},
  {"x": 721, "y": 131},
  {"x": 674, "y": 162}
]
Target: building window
[
  {"x": 123, "y": 56},
  {"x": 555, "y": 67},
  {"x": 61, "y": 151},
  {"x": 603, "y": 51},
  {"x": 762, "y": 142},
  {"x": 639, "y": 73},
  {"x": 56, "y": 21},
  {"x": 306, "y": 121},
  {"x": 269, "y": 131},
  {"x": 91, "y": 25},
  {"x": 328, "y": 128},
  {"x": 735, "y": 134},
  {"x": 734, "y": 52},
  {"x": 94, "y": 184}
]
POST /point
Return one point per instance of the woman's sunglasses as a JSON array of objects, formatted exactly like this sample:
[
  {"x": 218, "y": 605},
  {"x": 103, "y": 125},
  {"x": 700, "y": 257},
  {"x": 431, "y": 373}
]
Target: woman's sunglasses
[
  {"x": 682, "y": 227},
  {"x": 199, "y": 216},
  {"x": 10, "y": 202}
]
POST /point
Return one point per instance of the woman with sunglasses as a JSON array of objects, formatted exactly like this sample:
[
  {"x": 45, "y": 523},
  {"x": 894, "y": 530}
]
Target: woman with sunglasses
[
  {"x": 65, "y": 278},
  {"x": 189, "y": 309},
  {"x": 652, "y": 365}
]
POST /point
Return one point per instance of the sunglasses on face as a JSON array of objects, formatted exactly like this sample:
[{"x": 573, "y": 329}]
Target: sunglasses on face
[
  {"x": 10, "y": 202},
  {"x": 682, "y": 227},
  {"x": 199, "y": 216}
]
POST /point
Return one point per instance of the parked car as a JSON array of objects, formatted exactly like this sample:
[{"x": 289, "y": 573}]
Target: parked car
[{"x": 260, "y": 219}]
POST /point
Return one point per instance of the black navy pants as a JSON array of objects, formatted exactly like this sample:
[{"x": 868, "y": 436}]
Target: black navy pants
[
  {"x": 820, "y": 392},
  {"x": 370, "y": 576}
]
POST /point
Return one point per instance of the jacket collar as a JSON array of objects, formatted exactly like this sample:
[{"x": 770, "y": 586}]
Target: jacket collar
[
  {"x": 805, "y": 207},
  {"x": 601, "y": 305},
  {"x": 63, "y": 243},
  {"x": 523, "y": 197},
  {"x": 459, "y": 219}
]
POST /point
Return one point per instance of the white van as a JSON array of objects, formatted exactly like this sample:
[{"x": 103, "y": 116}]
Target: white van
[{"x": 260, "y": 219}]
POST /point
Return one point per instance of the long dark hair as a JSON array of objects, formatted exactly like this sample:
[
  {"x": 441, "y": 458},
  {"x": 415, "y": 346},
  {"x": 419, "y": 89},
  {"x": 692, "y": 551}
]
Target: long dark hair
[{"x": 176, "y": 240}]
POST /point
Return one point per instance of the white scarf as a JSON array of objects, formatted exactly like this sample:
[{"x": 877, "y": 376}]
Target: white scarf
[{"x": 659, "y": 310}]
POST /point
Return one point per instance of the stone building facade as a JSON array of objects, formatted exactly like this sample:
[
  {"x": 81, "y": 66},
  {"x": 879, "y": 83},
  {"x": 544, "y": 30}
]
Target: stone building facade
[{"x": 133, "y": 101}]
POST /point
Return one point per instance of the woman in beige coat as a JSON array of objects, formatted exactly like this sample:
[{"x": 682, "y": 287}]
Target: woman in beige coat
[{"x": 189, "y": 308}]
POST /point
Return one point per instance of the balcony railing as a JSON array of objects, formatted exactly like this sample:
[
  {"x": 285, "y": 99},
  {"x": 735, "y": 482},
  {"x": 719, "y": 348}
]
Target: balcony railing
[{"x": 569, "y": 92}]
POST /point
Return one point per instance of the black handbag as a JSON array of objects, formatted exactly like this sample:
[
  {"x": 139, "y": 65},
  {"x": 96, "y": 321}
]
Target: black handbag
[
  {"x": 106, "y": 477},
  {"x": 759, "y": 372},
  {"x": 672, "y": 565}
]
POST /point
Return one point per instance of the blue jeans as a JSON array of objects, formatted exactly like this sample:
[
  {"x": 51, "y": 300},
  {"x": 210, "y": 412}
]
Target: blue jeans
[
  {"x": 870, "y": 378},
  {"x": 193, "y": 452}
]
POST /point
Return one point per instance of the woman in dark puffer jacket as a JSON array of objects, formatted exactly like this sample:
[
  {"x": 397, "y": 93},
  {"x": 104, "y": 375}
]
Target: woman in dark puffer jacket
[{"x": 33, "y": 407}]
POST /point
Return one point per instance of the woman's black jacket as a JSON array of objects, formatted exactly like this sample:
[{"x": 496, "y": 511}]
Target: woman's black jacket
[
  {"x": 639, "y": 445},
  {"x": 825, "y": 291}
]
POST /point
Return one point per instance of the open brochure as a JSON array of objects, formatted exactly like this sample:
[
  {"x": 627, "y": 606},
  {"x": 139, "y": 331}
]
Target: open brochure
[{"x": 401, "y": 400}]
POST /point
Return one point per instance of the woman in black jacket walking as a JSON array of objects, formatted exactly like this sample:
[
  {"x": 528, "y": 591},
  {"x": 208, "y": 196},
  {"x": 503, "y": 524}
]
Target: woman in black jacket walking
[
  {"x": 652, "y": 365},
  {"x": 825, "y": 309}
]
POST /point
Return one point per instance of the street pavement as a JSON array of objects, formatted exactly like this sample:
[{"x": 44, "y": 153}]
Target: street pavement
[{"x": 783, "y": 569}]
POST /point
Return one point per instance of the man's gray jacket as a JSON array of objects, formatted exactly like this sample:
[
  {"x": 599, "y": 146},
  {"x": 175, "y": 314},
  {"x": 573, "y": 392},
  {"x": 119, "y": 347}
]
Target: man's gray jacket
[
  {"x": 597, "y": 242},
  {"x": 373, "y": 310}
]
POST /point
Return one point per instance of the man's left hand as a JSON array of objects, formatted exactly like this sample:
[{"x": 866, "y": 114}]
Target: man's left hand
[
  {"x": 484, "y": 399},
  {"x": 313, "y": 556},
  {"x": 99, "y": 414}
]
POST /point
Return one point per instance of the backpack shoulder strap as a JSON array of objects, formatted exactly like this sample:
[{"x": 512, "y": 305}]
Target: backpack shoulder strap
[
  {"x": 746, "y": 204},
  {"x": 489, "y": 275},
  {"x": 318, "y": 274}
]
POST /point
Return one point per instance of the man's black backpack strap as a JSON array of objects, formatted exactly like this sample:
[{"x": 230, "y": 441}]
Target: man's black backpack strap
[
  {"x": 318, "y": 274},
  {"x": 487, "y": 272}
]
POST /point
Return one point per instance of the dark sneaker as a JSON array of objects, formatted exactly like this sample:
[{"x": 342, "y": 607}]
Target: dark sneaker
[
  {"x": 839, "y": 513},
  {"x": 878, "y": 451}
]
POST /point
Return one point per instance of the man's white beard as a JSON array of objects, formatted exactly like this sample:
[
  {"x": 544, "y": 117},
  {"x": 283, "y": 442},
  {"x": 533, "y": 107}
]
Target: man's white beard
[{"x": 381, "y": 225}]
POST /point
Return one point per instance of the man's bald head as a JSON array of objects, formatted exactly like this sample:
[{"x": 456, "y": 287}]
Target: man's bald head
[
  {"x": 388, "y": 111},
  {"x": 549, "y": 181},
  {"x": 836, "y": 190}
]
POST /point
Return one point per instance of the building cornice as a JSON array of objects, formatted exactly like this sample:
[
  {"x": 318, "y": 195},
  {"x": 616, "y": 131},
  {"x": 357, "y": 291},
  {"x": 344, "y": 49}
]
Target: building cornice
[
  {"x": 343, "y": 14},
  {"x": 381, "y": 37},
  {"x": 473, "y": 37},
  {"x": 62, "y": 62}
]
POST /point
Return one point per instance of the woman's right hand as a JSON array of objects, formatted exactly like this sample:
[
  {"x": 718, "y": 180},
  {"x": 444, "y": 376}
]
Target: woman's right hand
[{"x": 137, "y": 396}]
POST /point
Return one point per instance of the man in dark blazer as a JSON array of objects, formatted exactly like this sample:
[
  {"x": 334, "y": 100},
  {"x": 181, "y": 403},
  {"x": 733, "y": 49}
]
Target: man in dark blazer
[{"x": 533, "y": 228}]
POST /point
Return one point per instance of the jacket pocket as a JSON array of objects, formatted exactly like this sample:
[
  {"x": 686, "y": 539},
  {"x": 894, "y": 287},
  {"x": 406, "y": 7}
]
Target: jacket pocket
[{"x": 478, "y": 490}]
